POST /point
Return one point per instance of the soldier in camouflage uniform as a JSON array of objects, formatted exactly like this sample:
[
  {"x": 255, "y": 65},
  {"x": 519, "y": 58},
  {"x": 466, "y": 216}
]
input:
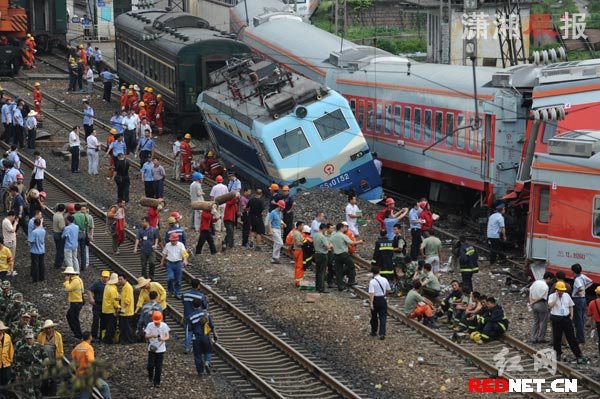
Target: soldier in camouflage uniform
[
  {"x": 20, "y": 328},
  {"x": 6, "y": 296},
  {"x": 405, "y": 276},
  {"x": 34, "y": 322},
  {"x": 15, "y": 308},
  {"x": 28, "y": 366}
]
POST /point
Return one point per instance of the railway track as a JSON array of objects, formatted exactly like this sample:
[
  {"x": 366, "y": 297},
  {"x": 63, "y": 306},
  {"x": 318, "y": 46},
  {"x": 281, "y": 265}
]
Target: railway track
[{"x": 246, "y": 349}]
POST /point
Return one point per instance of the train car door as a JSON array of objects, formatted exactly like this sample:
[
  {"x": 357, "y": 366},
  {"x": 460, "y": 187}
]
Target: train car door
[{"x": 538, "y": 221}]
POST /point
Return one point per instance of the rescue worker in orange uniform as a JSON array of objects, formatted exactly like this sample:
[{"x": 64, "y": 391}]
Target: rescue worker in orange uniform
[
  {"x": 211, "y": 166},
  {"x": 37, "y": 96},
  {"x": 111, "y": 159},
  {"x": 82, "y": 54},
  {"x": 32, "y": 45},
  {"x": 297, "y": 242},
  {"x": 132, "y": 102},
  {"x": 186, "y": 157},
  {"x": 27, "y": 53},
  {"x": 159, "y": 114},
  {"x": 145, "y": 95},
  {"x": 151, "y": 105},
  {"x": 123, "y": 100},
  {"x": 142, "y": 113}
]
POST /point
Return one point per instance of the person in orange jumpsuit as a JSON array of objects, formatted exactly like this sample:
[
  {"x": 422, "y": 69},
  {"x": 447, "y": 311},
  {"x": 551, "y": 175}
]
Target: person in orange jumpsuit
[
  {"x": 186, "y": 157},
  {"x": 142, "y": 113},
  {"x": 111, "y": 159},
  {"x": 82, "y": 54},
  {"x": 132, "y": 102},
  {"x": 151, "y": 105},
  {"x": 123, "y": 100},
  {"x": 33, "y": 46},
  {"x": 211, "y": 166},
  {"x": 351, "y": 247},
  {"x": 159, "y": 114},
  {"x": 145, "y": 95},
  {"x": 297, "y": 242},
  {"x": 26, "y": 54},
  {"x": 37, "y": 95}
]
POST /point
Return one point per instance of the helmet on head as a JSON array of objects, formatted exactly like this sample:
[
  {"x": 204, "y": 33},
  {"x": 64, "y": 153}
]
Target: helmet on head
[
  {"x": 71, "y": 208},
  {"x": 560, "y": 286},
  {"x": 131, "y": 87},
  {"x": 130, "y": 93},
  {"x": 157, "y": 316},
  {"x": 113, "y": 131},
  {"x": 389, "y": 201},
  {"x": 281, "y": 203},
  {"x": 43, "y": 194},
  {"x": 176, "y": 215},
  {"x": 146, "y": 88},
  {"x": 36, "y": 84},
  {"x": 219, "y": 179},
  {"x": 197, "y": 176},
  {"x": 171, "y": 220},
  {"x": 210, "y": 154},
  {"x": 123, "y": 88},
  {"x": 142, "y": 104},
  {"x": 274, "y": 187},
  {"x": 159, "y": 96},
  {"x": 19, "y": 176},
  {"x": 187, "y": 136},
  {"x": 150, "y": 90}
]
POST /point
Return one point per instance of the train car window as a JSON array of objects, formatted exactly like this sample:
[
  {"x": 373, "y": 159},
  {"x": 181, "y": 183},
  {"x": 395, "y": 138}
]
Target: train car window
[
  {"x": 290, "y": 143},
  {"x": 479, "y": 142},
  {"x": 353, "y": 107},
  {"x": 418, "y": 125},
  {"x": 331, "y": 124},
  {"x": 407, "y": 117},
  {"x": 460, "y": 136},
  {"x": 472, "y": 134},
  {"x": 439, "y": 122},
  {"x": 449, "y": 129},
  {"x": 596, "y": 216},
  {"x": 379, "y": 118},
  {"x": 361, "y": 114},
  {"x": 398, "y": 120},
  {"x": 544, "y": 206},
  {"x": 388, "y": 119},
  {"x": 427, "y": 135},
  {"x": 549, "y": 131},
  {"x": 370, "y": 116}
]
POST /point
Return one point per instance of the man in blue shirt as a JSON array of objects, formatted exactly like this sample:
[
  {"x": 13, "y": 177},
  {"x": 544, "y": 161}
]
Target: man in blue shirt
[
  {"x": 18, "y": 122},
  {"x": 37, "y": 248},
  {"x": 71, "y": 236},
  {"x": 30, "y": 225},
  {"x": 88, "y": 118},
  {"x": 174, "y": 227},
  {"x": 107, "y": 79},
  {"x": 18, "y": 207},
  {"x": 495, "y": 232},
  {"x": 188, "y": 298},
  {"x": 146, "y": 145},
  {"x": 14, "y": 156},
  {"x": 414, "y": 220},
  {"x": 147, "y": 241},
  {"x": 116, "y": 121},
  {"x": 95, "y": 293},
  {"x": 6, "y": 120},
  {"x": 147, "y": 177},
  {"x": 275, "y": 223},
  {"x": 117, "y": 147}
]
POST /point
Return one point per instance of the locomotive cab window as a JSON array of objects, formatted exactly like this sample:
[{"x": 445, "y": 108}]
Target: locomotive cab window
[
  {"x": 596, "y": 216},
  {"x": 331, "y": 124},
  {"x": 290, "y": 143}
]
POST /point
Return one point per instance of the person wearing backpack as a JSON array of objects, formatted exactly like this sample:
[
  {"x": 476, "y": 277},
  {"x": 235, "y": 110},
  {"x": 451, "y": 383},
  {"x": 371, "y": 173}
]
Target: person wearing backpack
[
  {"x": 202, "y": 327},
  {"x": 468, "y": 262}
]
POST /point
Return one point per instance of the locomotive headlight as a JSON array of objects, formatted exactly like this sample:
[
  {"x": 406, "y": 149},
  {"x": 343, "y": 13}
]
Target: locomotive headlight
[
  {"x": 358, "y": 155},
  {"x": 301, "y": 112}
]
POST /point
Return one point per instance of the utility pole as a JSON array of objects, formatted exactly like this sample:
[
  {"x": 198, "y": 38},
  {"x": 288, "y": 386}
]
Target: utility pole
[{"x": 335, "y": 18}]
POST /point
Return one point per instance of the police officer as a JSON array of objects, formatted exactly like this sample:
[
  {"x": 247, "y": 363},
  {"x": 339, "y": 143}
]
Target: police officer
[
  {"x": 467, "y": 260},
  {"x": 95, "y": 293},
  {"x": 188, "y": 299},
  {"x": 383, "y": 256},
  {"x": 202, "y": 326}
]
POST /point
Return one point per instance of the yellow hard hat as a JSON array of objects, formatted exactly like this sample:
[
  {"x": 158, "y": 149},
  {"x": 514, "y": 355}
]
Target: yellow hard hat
[
  {"x": 187, "y": 136},
  {"x": 150, "y": 90},
  {"x": 36, "y": 84},
  {"x": 130, "y": 93},
  {"x": 171, "y": 220},
  {"x": 159, "y": 96},
  {"x": 80, "y": 46},
  {"x": 123, "y": 88},
  {"x": 142, "y": 104},
  {"x": 598, "y": 290},
  {"x": 113, "y": 131},
  {"x": 560, "y": 286},
  {"x": 146, "y": 88},
  {"x": 210, "y": 154}
]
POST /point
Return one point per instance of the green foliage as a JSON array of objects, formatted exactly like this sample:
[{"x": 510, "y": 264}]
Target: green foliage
[{"x": 360, "y": 5}]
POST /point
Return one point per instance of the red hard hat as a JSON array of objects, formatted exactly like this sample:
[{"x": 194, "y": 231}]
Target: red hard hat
[
  {"x": 19, "y": 176},
  {"x": 219, "y": 179},
  {"x": 389, "y": 201},
  {"x": 281, "y": 203},
  {"x": 422, "y": 204},
  {"x": 157, "y": 316},
  {"x": 175, "y": 214},
  {"x": 43, "y": 194},
  {"x": 174, "y": 237},
  {"x": 71, "y": 208}
]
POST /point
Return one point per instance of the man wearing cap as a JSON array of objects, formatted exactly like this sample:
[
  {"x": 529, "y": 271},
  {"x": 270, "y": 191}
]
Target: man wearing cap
[
  {"x": 126, "y": 314},
  {"x": 19, "y": 328},
  {"x": 186, "y": 157},
  {"x": 147, "y": 286},
  {"x": 344, "y": 265},
  {"x": 75, "y": 289},
  {"x": 52, "y": 343},
  {"x": 74, "y": 149},
  {"x": 31, "y": 125},
  {"x": 188, "y": 298},
  {"x": 147, "y": 178},
  {"x": 37, "y": 248},
  {"x": 415, "y": 223},
  {"x": 111, "y": 306},
  {"x": 146, "y": 145},
  {"x": 147, "y": 240},
  {"x": 218, "y": 190},
  {"x": 496, "y": 232},
  {"x": 561, "y": 315},
  {"x": 29, "y": 358},
  {"x": 7, "y": 352},
  {"x": 157, "y": 333},
  {"x": 83, "y": 356},
  {"x": 95, "y": 294},
  {"x": 275, "y": 223},
  {"x": 175, "y": 256},
  {"x": 234, "y": 183},
  {"x": 174, "y": 227},
  {"x": 196, "y": 194}
]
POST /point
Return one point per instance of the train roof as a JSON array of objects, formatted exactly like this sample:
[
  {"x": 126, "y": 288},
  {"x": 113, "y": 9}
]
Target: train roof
[{"x": 173, "y": 31}]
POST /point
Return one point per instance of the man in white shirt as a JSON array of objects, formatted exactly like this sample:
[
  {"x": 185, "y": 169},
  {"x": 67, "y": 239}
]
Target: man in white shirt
[
  {"x": 316, "y": 223},
  {"x": 495, "y": 233},
  {"x": 581, "y": 283},
  {"x": 132, "y": 123},
  {"x": 157, "y": 333},
  {"x": 196, "y": 194},
  {"x": 538, "y": 301},
  {"x": 218, "y": 190},
  {"x": 9, "y": 234},
  {"x": 379, "y": 287},
  {"x": 74, "y": 148},
  {"x": 175, "y": 256},
  {"x": 177, "y": 157},
  {"x": 561, "y": 312},
  {"x": 377, "y": 162},
  {"x": 39, "y": 167},
  {"x": 93, "y": 146},
  {"x": 31, "y": 126},
  {"x": 89, "y": 78},
  {"x": 352, "y": 213}
]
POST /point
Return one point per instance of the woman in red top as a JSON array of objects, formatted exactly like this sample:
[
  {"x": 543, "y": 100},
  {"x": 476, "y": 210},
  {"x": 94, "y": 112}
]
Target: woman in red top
[
  {"x": 427, "y": 216},
  {"x": 206, "y": 222},
  {"x": 229, "y": 219}
]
